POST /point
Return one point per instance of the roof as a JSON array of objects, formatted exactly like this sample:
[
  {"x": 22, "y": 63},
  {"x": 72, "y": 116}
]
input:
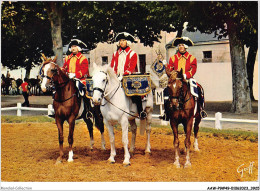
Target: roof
[{"x": 199, "y": 38}]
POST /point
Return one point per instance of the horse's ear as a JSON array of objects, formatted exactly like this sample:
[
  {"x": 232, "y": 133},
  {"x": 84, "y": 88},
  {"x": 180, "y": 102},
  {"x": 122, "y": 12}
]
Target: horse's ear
[
  {"x": 95, "y": 68},
  {"x": 167, "y": 70},
  {"x": 44, "y": 57},
  {"x": 55, "y": 59}
]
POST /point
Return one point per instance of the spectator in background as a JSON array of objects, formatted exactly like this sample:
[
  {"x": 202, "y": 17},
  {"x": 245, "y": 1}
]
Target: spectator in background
[{"x": 25, "y": 91}]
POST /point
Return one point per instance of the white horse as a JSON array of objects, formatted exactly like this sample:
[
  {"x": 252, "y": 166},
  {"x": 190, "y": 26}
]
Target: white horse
[{"x": 117, "y": 107}]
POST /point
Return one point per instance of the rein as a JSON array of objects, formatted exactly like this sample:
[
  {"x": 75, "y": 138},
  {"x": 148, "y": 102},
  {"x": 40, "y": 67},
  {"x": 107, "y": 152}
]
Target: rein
[
  {"x": 121, "y": 109},
  {"x": 60, "y": 101},
  {"x": 180, "y": 99},
  {"x": 108, "y": 100}
]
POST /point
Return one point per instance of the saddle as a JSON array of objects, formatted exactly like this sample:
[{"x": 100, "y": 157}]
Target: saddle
[
  {"x": 193, "y": 87},
  {"x": 81, "y": 87}
]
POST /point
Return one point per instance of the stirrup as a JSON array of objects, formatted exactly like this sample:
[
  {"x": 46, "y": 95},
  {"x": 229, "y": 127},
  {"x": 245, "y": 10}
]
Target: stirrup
[
  {"x": 143, "y": 115},
  {"x": 89, "y": 115},
  {"x": 164, "y": 117},
  {"x": 203, "y": 114}
]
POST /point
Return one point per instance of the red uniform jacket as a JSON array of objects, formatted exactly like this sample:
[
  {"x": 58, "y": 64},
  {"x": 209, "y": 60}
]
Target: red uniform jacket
[
  {"x": 130, "y": 64},
  {"x": 187, "y": 62},
  {"x": 24, "y": 86},
  {"x": 77, "y": 64}
]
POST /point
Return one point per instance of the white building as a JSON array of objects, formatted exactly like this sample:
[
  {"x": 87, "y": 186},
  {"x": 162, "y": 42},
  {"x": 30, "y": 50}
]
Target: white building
[{"x": 214, "y": 70}]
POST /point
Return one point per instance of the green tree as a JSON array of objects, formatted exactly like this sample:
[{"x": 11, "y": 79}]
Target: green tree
[
  {"x": 238, "y": 20},
  {"x": 25, "y": 33}
]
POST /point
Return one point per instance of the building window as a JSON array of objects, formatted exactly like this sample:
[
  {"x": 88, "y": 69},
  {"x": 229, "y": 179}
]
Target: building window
[
  {"x": 207, "y": 56},
  {"x": 142, "y": 60},
  {"x": 104, "y": 60}
]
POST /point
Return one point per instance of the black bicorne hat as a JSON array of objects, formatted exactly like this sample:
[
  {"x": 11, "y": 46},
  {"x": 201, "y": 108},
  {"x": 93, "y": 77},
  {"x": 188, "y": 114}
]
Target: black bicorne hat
[
  {"x": 126, "y": 36},
  {"x": 77, "y": 42},
  {"x": 182, "y": 40}
]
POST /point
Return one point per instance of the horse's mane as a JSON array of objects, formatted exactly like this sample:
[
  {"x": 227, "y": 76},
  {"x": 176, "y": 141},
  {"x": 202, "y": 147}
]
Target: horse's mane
[
  {"x": 107, "y": 69},
  {"x": 111, "y": 73}
]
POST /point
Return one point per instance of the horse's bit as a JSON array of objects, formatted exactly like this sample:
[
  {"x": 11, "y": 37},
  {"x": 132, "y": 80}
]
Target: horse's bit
[{"x": 181, "y": 99}]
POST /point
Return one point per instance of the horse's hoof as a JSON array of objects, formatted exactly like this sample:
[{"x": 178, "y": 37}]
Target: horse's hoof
[
  {"x": 148, "y": 153},
  {"x": 70, "y": 160},
  {"x": 177, "y": 164},
  {"x": 126, "y": 165},
  {"x": 91, "y": 149},
  {"x": 58, "y": 162},
  {"x": 111, "y": 161},
  {"x": 196, "y": 149},
  {"x": 131, "y": 150},
  {"x": 187, "y": 164}
]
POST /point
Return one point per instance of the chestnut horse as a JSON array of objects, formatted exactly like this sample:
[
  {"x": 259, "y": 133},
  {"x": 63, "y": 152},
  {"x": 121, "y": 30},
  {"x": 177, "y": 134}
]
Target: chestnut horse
[
  {"x": 182, "y": 109},
  {"x": 67, "y": 105}
]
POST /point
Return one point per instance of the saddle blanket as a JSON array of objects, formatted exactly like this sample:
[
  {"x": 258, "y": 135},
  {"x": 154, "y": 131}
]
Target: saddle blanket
[{"x": 137, "y": 84}]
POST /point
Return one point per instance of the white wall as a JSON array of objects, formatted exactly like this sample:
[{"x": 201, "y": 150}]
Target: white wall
[
  {"x": 20, "y": 73},
  {"x": 216, "y": 76}
]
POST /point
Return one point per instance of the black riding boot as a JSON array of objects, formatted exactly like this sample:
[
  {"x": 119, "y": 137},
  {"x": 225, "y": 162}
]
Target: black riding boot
[
  {"x": 201, "y": 101},
  {"x": 138, "y": 101}
]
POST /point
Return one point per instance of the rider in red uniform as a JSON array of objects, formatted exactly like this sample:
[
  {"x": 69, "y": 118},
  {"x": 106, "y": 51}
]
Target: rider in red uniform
[
  {"x": 124, "y": 62},
  {"x": 188, "y": 63},
  {"x": 76, "y": 64}
]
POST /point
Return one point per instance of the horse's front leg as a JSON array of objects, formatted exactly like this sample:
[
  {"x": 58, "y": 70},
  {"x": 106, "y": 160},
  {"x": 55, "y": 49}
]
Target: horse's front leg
[
  {"x": 133, "y": 130},
  {"x": 188, "y": 128},
  {"x": 148, "y": 130},
  {"x": 174, "y": 127},
  {"x": 71, "y": 122},
  {"x": 124, "y": 125},
  {"x": 196, "y": 130},
  {"x": 110, "y": 128},
  {"x": 59, "y": 123}
]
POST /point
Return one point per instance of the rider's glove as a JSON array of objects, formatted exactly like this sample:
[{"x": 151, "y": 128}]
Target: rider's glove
[
  {"x": 120, "y": 78},
  {"x": 164, "y": 62},
  {"x": 71, "y": 75}
]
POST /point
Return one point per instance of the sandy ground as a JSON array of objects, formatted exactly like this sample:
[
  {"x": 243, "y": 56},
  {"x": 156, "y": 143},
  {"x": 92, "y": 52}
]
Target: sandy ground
[{"x": 29, "y": 152}]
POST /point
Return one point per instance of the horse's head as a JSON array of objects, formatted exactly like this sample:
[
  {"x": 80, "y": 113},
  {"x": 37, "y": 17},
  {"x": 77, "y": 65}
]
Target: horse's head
[
  {"x": 175, "y": 88},
  {"x": 104, "y": 80},
  {"x": 48, "y": 70},
  {"x": 100, "y": 80}
]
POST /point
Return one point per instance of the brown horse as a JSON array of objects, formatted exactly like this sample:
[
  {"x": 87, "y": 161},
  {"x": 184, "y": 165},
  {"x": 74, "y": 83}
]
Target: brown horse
[
  {"x": 68, "y": 106},
  {"x": 181, "y": 109}
]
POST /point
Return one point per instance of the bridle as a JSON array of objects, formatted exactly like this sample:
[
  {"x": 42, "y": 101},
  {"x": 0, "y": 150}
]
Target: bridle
[
  {"x": 181, "y": 98},
  {"x": 108, "y": 100},
  {"x": 53, "y": 84},
  {"x": 102, "y": 90},
  {"x": 51, "y": 78}
]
